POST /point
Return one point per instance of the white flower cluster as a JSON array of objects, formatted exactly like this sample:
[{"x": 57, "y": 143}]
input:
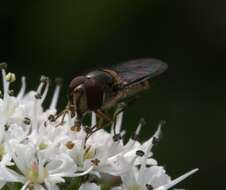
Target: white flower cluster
[{"x": 39, "y": 153}]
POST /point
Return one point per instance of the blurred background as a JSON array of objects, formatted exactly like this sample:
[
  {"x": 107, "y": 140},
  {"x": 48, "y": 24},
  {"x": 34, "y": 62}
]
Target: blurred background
[{"x": 65, "y": 38}]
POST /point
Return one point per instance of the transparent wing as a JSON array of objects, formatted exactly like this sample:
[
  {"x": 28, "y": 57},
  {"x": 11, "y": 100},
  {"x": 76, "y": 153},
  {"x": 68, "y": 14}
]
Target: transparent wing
[{"x": 138, "y": 70}]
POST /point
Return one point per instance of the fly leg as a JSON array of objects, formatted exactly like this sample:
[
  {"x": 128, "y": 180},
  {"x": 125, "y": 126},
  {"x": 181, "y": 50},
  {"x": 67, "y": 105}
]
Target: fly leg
[
  {"x": 107, "y": 120},
  {"x": 104, "y": 121},
  {"x": 103, "y": 115},
  {"x": 63, "y": 114},
  {"x": 94, "y": 130}
]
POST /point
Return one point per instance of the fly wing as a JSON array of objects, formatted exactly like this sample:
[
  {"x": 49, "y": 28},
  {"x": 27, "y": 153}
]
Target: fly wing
[{"x": 138, "y": 70}]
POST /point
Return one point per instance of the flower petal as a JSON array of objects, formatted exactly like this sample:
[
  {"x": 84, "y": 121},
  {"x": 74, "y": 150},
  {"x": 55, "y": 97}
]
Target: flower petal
[{"x": 176, "y": 181}]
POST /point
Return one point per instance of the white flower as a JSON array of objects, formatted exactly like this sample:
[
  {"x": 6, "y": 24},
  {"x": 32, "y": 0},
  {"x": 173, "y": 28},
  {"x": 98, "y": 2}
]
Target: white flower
[
  {"x": 144, "y": 173},
  {"x": 37, "y": 169},
  {"x": 100, "y": 154},
  {"x": 39, "y": 150},
  {"x": 153, "y": 177}
]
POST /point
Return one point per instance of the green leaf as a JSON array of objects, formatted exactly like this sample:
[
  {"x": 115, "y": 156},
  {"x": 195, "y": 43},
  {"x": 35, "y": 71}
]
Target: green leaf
[
  {"x": 74, "y": 184},
  {"x": 105, "y": 187}
]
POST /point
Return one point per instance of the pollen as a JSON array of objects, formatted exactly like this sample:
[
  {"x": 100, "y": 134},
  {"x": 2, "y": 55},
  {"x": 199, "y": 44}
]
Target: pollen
[
  {"x": 27, "y": 121},
  {"x": 2, "y": 151},
  {"x": 76, "y": 128},
  {"x": 10, "y": 77},
  {"x": 95, "y": 162},
  {"x": 89, "y": 153},
  {"x": 42, "y": 146},
  {"x": 70, "y": 145}
]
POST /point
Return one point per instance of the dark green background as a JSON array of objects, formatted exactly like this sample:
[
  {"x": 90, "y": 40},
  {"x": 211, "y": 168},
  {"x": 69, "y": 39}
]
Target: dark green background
[{"x": 67, "y": 37}]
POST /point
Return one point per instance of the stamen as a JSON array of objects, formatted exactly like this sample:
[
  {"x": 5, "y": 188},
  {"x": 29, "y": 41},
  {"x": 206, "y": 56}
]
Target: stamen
[
  {"x": 122, "y": 133},
  {"x": 138, "y": 166},
  {"x": 70, "y": 145},
  {"x": 176, "y": 181},
  {"x": 6, "y": 127},
  {"x": 2, "y": 151},
  {"x": 76, "y": 128},
  {"x": 34, "y": 116},
  {"x": 38, "y": 96},
  {"x": 56, "y": 93},
  {"x": 93, "y": 119},
  {"x": 148, "y": 149},
  {"x": 118, "y": 122},
  {"x": 87, "y": 149},
  {"x": 11, "y": 92},
  {"x": 45, "y": 90},
  {"x": 44, "y": 82},
  {"x": 155, "y": 140},
  {"x": 137, "y": 132},
  {"x": 95, "y": 162},
  {"x": 10, "y": 77},
  {"x": 30, "y": 187},
  {"x": 51, "y": 118},
  {"x": 5, "y": 83},
  {"x": 162, "y": 123},
  {"x": 6, "y": 95},
  {"x": 39, "y": 89},
  {"x": 148, "y": 165},
  {"x": 59, "y": 81},
  {"x": 3, "y": 66},
  {"x": 22, "y": 89},
  {"x": 27, "y": 121},
  {"x": 42, "y": 146},
  {"x": 85, "y": 172},
  {"x": 150, "y": 144},
  {"x": 149, "y": 187},
  {"x": 117, "y": 137},
  {"x": 44, "y": 79},
  {"x": 89, "y": 130},
  {"x": 27, "y": 186},
  {"x": 157, "y": 135},
  {"x": 140, "y": 153}
]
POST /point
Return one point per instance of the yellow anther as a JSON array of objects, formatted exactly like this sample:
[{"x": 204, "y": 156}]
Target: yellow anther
[
  {"x": 2, "y": 151},
  {"x": 70, "y": 145},
  {"x": 42, "y": 146},
  {"x": 10, "y": 77},
  {"x": 95, "y": 162},
  {"x": 89, "y": 153}
]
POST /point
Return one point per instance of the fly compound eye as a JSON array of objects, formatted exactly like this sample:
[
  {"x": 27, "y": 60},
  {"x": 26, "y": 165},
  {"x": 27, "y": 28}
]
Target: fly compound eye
[
  {"x": 94, "y": 93},
  {"x": 80, "y": 90},
  {"x": 79, "y": 93},
  {"x": 76, "y": 94},
  {"x": 80, "y": 100},
  {"x": 76, "y": 82}
]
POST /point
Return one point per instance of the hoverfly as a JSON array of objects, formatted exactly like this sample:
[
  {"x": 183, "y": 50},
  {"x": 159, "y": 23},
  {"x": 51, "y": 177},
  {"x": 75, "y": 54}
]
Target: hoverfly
[{"x": 106, "y": 88}]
